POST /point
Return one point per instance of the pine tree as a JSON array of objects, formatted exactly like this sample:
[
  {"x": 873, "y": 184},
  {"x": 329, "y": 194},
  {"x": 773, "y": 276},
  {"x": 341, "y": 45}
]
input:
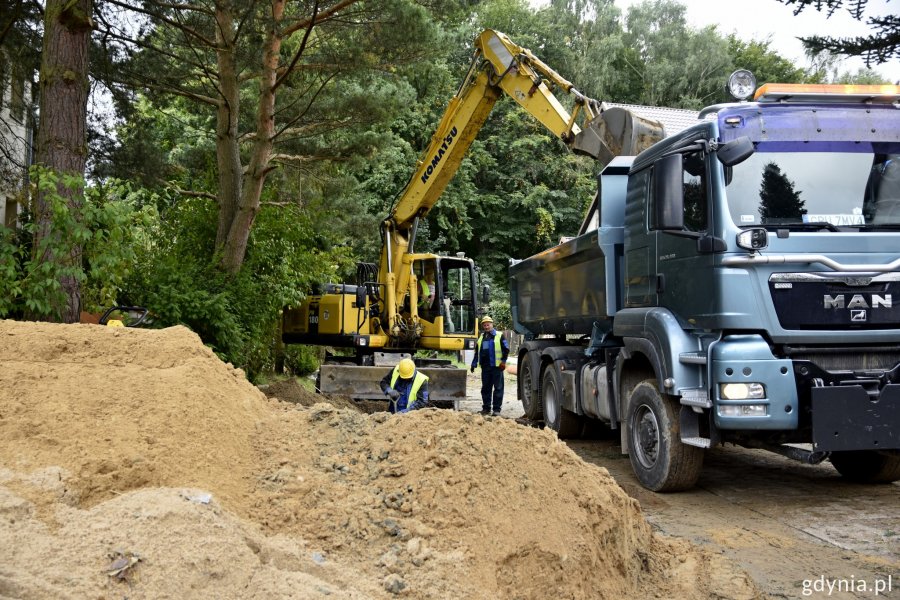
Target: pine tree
[
  {"x": 879, "y": 47},
  {"x": 779, "y": 201}
]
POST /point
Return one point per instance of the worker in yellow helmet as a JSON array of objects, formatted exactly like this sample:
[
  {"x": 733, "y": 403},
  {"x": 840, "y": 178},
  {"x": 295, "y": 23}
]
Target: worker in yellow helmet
[
  {"x": 405, "y": 387},
  {"x": 491, "y": 352}
]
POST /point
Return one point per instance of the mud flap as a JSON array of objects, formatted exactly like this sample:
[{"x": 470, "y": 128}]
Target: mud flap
[
  {"x": 446, "y": 386},
  {"x": 845, "y": 418}
]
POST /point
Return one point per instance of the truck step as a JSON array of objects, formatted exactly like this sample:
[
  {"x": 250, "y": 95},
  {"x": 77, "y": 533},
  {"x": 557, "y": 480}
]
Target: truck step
[
  {"x": 696, "y": 397},
  {"x": 700, "y": 442},
  {"x": 692, "y": 358}
]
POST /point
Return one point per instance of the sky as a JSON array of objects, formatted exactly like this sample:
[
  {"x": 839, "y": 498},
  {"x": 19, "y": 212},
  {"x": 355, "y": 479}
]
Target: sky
[{"x": 770, "y": 19}]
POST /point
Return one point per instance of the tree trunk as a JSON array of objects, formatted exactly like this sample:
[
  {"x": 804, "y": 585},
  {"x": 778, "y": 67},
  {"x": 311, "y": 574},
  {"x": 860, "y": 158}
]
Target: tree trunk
[
  {"x": 228, "y": 154},
  {"x": 235, "y": 248},
  {"x": 61, "y": 139},
  {"x": 240, "y": 199}
]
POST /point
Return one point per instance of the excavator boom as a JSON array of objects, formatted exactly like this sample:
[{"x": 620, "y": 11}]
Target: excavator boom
[{"x": 498, "y": 67}]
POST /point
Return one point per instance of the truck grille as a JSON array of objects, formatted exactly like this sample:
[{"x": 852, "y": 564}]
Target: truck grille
[
  {"x": 848, "y": 359},
  {"x": 836, "y": 301}
]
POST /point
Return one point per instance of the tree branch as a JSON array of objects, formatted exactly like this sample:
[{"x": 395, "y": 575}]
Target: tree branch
[
  {"x": 188, "y": 30},
  {"x": 194, "y": 194},
  {"x": 325, "y": 14}
]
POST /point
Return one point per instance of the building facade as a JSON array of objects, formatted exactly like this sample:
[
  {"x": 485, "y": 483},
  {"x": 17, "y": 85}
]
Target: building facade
[{"x": 16, "y": 136}]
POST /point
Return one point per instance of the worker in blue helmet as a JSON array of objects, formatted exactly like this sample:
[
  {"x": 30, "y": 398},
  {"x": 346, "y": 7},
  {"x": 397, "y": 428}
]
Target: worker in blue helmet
[{"x": 406, "y": 387}]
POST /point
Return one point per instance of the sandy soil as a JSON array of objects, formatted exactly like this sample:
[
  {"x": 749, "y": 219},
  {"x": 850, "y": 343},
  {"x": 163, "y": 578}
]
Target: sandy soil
[
  {"x": 133, "y": 463},
  {"x": 787, "y": 524}
]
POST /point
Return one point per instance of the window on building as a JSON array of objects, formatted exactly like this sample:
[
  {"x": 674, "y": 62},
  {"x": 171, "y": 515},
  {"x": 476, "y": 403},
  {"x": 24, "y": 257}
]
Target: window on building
[
  {"x": 4, "y": 75},
  {"x": 17, "y": 97},
  {"x": 12, "y": 210}
]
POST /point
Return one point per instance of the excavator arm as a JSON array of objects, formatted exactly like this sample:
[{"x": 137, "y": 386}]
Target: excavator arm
[{"x": 498, "y": 67}]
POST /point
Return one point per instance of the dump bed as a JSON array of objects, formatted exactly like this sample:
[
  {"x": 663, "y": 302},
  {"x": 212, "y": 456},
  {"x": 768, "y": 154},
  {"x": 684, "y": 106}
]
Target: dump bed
[
  {"x": 561, "y": 290},
  {"x": 570, "y": 287}
]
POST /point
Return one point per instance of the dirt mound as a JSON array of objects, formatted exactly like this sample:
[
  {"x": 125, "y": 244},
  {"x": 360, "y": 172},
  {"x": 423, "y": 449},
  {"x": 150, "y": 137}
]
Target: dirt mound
[
  {"x": 288, "y": 390},
  {"x": 140, "y": 448}
]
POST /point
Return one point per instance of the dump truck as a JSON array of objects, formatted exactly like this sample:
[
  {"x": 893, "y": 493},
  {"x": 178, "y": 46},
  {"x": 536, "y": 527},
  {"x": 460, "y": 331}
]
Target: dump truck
[
  {"x": 732, "y": 284},
  {"x": 380, "y": 317}
]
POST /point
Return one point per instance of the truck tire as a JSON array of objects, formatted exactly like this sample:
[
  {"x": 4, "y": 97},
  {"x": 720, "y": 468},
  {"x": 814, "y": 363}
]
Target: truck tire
[
  {"x": 867, "y": 466},
  {"x": 659, "y": 460},
  {"x": 531, "y": 401},
  {"x": 565, "y": 423}
]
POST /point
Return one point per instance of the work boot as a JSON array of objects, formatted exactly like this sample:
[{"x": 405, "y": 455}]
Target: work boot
[
  {"x": 484, "y": 412},
  {"x": 496, "y": 413}
]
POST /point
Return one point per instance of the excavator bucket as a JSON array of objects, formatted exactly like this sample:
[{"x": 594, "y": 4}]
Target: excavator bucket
[
  {"x": 446, "y": 385},
  {"x": 617, "y": 132}
]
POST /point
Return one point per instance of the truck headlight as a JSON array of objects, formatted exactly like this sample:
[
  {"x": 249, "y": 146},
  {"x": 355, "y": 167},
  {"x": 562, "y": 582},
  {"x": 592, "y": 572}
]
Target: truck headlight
[
  {"x": 741, "y": 84},
  {"x": 743, "y": 410},
  {"x": 742, "y": 391}
]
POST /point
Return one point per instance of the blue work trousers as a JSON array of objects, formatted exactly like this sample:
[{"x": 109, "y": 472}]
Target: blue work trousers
[{"x": 491, "y": 378}]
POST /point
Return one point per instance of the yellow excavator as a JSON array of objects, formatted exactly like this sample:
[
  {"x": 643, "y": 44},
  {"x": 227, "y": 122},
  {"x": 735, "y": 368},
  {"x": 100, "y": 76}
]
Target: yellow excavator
[{"x": 419, "y": 301}]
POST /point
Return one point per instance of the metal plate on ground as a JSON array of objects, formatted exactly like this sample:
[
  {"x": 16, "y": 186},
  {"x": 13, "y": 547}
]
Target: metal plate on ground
[{"x": 445, "y": 385}]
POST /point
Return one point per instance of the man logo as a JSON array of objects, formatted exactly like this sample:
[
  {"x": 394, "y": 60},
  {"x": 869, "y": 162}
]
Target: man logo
[
  {"x": 858, "y": 301},
  {"x": 857, "y": 315}
]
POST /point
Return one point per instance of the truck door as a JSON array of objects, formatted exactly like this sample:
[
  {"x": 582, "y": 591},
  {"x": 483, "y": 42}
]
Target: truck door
[
  {"x": 640, "y": 243},
  {"x": 684, "y": 282}
]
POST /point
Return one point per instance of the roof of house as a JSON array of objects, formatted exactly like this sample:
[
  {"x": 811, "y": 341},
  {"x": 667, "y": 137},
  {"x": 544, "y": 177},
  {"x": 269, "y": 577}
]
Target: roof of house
[{"x": 673, "y": 119}]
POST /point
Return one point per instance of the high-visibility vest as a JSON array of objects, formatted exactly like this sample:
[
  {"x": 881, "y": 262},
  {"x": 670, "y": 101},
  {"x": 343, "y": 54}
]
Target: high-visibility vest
[
  {"x": 426, "y": 291},
  {"x": 498, "y": 347},
  {"x": 418, "y": 379}
]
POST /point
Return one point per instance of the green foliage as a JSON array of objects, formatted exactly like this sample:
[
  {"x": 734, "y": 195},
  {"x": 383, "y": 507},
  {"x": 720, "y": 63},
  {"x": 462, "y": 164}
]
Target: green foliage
[
  {"x": 678, "y": 66},
  {"x": 100, "y": 220},
  {"x": 500, "y": 312},
  {"x": 301, "y": 360},
  {"x": 826, "y": 67},
  {"x": 236, "y": 316},
  {"x": 765, "y": 64}
]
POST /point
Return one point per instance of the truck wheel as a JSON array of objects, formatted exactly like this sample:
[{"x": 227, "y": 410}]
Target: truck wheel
[
  {"x": 531, "y": 403},
  {"x": 867, "y": 466},
  {"x": 659, "y": 459},
  {"x": 565, "y": 423}
]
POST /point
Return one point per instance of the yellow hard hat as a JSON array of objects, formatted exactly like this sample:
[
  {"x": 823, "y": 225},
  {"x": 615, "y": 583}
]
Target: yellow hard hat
[
  {"x": 407, "y": 367},
  {"x": 486, "y": 319}
]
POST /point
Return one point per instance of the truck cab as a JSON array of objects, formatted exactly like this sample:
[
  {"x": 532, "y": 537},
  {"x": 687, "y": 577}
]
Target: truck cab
[{"x": 749, "y": 291}]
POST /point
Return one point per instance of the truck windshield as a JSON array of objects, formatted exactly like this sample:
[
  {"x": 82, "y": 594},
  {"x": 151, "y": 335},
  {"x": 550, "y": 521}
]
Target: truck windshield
[{"x": 833, "y": 189}]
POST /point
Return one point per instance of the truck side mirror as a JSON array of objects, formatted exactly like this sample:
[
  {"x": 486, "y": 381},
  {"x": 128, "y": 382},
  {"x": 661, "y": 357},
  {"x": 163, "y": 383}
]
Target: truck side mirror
[
  {"x": 668, "y": 193},
  {"x": 735, "y": 151},
  {"x": 486, "y": 295}
]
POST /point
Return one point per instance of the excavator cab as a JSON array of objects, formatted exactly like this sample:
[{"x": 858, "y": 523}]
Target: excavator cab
[{"x": 446, "y": 298}]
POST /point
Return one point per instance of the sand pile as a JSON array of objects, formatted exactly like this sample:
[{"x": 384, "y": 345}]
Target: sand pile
[{"x": 135, "y": 463}]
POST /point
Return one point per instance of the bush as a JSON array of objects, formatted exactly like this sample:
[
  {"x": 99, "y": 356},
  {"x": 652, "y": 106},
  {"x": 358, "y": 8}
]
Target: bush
[
  {"x": 237, "y": 316},
  {"x": 301, "y": 360},
  {"x": 500, "y": 312},
  {"x": 99, "y": 220}
]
